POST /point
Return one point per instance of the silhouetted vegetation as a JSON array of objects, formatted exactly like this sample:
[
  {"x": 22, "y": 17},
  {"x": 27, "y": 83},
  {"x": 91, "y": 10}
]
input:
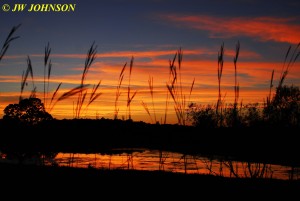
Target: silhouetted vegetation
[
  {"x": 80, "y": 90},
  {"x": 29, "y": 111},
  {"x": 90, "y": 58},
  {"x": 175, "y": 89},
  {"x": 8, "y": 40},
  {"x": 281, "y": 110},
  {"x": 284, "y": 108},
  {"x": 118, "y": 92}
]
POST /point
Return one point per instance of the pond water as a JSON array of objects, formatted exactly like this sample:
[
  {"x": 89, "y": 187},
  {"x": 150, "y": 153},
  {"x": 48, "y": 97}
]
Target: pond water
[{"x": 152, "y": 160}]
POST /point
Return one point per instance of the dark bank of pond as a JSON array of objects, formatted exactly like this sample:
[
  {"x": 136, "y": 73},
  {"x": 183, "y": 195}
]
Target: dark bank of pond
[
  {"x": 58, "y": 182},
  {"x": 260, "y": 145}
]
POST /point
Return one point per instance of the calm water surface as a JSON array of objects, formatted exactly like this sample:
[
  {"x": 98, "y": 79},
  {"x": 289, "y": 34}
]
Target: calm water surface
[{"x": 151, "y": 160}]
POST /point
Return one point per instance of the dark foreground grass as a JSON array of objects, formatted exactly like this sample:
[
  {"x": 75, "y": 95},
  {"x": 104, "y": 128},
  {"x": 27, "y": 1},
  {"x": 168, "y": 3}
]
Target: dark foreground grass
[{"x": 138, "y": 184}]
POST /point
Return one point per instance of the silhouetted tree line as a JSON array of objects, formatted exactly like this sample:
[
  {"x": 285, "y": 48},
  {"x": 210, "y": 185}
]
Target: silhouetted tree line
[{"x": 282, "y": 111}]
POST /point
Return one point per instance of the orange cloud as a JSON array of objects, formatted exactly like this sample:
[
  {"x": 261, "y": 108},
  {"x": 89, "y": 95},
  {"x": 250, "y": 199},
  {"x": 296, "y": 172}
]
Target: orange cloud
[
  {"x": 147, "y": 54},
  {"x": 10, "y": 78},
  {"x": 250, "y": 73},
  {"x": 263, "y": 28}
]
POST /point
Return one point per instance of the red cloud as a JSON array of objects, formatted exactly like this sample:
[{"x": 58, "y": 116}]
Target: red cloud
[{"x": 262, "y": 28}]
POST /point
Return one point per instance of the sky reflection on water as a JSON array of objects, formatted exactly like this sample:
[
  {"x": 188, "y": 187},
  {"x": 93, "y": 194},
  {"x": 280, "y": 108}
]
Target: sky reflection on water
[{"x": 153, "y": 160}]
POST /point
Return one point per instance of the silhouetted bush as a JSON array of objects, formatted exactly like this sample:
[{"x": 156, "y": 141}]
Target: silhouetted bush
[
  {"x": 252, "y": 115},
  {"x": 284, "y": 108},
  {"x": 203, "y": 116}
]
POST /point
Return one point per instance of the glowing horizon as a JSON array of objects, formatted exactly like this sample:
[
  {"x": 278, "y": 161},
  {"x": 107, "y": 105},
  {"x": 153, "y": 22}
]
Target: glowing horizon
[{"x": 253, "y": 77}]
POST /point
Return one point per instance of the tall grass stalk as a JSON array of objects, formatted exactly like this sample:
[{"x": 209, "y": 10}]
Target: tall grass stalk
[
  {"x": 91, "y": 56},
  {"x": 94, "y": 94},
  {"x": 147, "y": 110},
  {"x": 47, "y": 76},
  {"x": 171, "y": 74},
  {"x": 191, "y": 89},
  {"x": 80, "y": 90},
  {"x": 236, "y": 84},
  {"x": 8, "y": 40},
  {"x": 287, "y": 65},
  {"x": 220, "y": 71},
  {"x": 176, "y": 90},
  {"x": 53, "y": 96},
  {"x": 150, "y": 82},
  {"x": 270, "y": 89},
  {"x": 180, "y": 55},
  {"x": 46, "y": 58},
  {"x": 275, "y": 101},
  {"x": 72, "y": 92},
  {"x": 118, "y": 92},
  {"x": 129, "y": 96},
  {"x": 25, "y": 76}
]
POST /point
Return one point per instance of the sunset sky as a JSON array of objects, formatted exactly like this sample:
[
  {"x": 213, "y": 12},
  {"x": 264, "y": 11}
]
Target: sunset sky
[{"x": 151, "y": 31}]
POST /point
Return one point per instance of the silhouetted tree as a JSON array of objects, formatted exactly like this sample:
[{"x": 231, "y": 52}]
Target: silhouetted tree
[{"x": 29, "y": 111}]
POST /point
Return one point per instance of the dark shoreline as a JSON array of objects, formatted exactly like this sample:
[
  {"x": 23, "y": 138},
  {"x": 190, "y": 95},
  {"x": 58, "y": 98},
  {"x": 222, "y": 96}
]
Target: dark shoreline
[
  {"x": 145, "y": 181},
  {"x": 267, "y": 145}
]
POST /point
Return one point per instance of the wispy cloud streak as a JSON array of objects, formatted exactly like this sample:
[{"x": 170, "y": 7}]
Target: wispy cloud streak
[{"x": 260, "y": 28}]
